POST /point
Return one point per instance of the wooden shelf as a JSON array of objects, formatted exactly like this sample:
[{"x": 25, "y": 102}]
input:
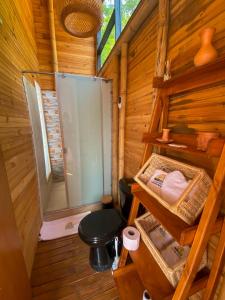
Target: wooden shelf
[
  {"x": 128, "y": 283},
  {"x": 197, "y": 77},
  {"x": 150, "y": 273},
  {"x": 154, "y": 279},
  {"x": 215, "y": 146},
  {"x": 182, "y": 232}
]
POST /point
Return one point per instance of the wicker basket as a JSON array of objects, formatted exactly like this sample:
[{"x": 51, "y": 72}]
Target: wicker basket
[
  {"x": 145, "y": 224},
  {"x": 81, "y": 18},
  {"x": 192, "y": 200}
]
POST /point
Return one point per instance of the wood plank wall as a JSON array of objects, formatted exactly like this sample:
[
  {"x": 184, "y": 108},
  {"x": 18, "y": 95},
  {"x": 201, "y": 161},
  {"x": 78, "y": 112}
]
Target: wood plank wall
[
  {"x": 75, "y": 55},
  {"x": 141, "y": 62},
  {"x": 202, "y": 110},
  {"x": 18, "y": 52}
]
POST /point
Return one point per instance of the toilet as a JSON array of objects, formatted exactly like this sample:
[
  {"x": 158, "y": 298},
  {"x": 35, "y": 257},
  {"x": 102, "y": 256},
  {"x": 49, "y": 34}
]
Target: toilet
[{"x": 97, "y": 230}]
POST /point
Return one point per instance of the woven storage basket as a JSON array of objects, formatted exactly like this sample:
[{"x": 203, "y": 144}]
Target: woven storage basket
[
  {"x": 81, "y": 18},
  {"x": 145, "y": 224},
  {"x": 192, "y": 200}
]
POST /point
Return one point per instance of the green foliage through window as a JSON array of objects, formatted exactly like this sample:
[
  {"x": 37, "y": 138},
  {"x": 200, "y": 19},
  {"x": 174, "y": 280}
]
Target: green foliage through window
[{"x": 127, "y": 9}]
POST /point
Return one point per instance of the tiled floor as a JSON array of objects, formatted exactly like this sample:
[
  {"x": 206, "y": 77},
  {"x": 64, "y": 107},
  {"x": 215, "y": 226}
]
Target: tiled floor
[
  {"x": 61, "y": 272},
  {"x": 57, "y": 199}
]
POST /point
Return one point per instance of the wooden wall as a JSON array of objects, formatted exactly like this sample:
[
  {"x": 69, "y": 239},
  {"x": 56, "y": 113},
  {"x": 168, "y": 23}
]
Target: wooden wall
[
  {"x": 202, "y": 110},
  {"x": 141, "y": 62},
  {"x": 75, "y": 55},
  {"x": 18, "y": 52}
]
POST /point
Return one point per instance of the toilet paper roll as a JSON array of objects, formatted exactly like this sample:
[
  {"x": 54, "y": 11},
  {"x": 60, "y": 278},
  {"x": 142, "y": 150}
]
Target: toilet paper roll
[
  {"x": 131, "y": 238},
  {"x": 146, "y": 295}
]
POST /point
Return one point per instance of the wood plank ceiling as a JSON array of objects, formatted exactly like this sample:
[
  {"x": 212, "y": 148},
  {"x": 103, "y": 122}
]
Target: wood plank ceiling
[{"x": 75, "y": 55}]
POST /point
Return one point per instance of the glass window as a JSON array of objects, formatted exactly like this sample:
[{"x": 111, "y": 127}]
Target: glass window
[
  {"x": 108, "y": 46},
  {"x": 108, "y": 7},
  {"x": 127, "y": 9}
]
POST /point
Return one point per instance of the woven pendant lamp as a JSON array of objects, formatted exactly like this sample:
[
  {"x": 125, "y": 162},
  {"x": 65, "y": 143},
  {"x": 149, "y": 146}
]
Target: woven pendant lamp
[{"x": 81, "y": 18}]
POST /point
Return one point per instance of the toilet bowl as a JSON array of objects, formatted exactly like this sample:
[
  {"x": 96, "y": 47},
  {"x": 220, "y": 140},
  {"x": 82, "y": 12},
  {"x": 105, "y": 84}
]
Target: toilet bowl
[{"x": 97, "y": 230}]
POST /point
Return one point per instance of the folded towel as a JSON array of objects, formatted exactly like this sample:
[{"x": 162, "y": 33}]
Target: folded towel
[
  {"x": 160, "y": 237},
  {"x": 156, "y": 181},
  {"x": 173, "y": 186},
  {"x": 174, "y": 254}
]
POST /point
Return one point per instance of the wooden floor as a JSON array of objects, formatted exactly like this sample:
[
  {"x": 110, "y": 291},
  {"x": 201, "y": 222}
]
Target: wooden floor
[{"x": 61, "y": 272}]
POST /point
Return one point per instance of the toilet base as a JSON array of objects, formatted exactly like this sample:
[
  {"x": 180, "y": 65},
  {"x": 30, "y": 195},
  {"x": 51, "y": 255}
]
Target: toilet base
[{"x": 99, "y": 259}]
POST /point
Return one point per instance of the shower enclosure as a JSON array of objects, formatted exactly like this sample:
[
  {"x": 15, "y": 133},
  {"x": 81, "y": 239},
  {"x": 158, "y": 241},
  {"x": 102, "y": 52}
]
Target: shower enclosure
[{"x": 85, "y": 109}]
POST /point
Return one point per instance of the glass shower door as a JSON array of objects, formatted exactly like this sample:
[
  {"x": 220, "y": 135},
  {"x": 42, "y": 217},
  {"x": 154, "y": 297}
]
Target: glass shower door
[{"x": 85, "y": 105}]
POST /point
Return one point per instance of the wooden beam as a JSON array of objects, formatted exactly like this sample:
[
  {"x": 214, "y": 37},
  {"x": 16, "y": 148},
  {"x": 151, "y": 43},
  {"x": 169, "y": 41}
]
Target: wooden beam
[
  {"x": 217, "y": 267},
  {"x": 161, "y": 50},
  {"x": 139, "y": 16},
  {"x": 52, "y": 35},
  {"x": 209, "y": 215},
  {"x": 115, "y": 127},
  {"x": 122, "y": 114}
]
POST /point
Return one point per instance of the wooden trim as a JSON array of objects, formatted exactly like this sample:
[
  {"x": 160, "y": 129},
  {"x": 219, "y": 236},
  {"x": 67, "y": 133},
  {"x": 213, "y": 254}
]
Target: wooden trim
[
  {"x": 209, "y": 215},
  {"x": 52, "y": 34},
  {"x": 138, "y": 18},
  {"x": 122, "y": 114},
  {"x": 115, "y": 127},
  {"x": 161, "y": 51},
  {"x": 217, "y": 267}
]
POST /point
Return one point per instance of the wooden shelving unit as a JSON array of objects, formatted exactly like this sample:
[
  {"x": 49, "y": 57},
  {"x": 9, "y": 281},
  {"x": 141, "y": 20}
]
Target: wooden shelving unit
[
  {"x": 126, "y": 278},
  {"x": 190, "y": 140},
  {"x": 197, "y": 236},
  {"x": 154, "y": 279},
  {"x": 150, "y": 273},
  {"x": 182, "y": 232}
]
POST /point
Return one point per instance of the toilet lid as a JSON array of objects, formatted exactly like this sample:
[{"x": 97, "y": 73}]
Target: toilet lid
[{"x": 100, "y": 226}]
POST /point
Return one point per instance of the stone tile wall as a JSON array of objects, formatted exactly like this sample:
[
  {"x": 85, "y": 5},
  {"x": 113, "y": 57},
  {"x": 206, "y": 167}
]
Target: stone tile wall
[{"x": 51, "y": 112}]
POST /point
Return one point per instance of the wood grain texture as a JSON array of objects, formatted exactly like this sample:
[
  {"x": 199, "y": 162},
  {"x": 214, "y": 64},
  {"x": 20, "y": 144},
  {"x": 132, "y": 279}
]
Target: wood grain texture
[
  {"x": 75, "y": 55},
  {"x": 61, "y": 271},
  {"x": 201, "y": 110},
  {"x": 141, "y": 63},
  {"x": 122, "y": 111},
  {"x": 14, "y": 282},
  {"x": 18, "y": 52}
]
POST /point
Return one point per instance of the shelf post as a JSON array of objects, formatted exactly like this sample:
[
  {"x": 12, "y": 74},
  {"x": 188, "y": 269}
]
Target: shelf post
[{"x": 161, "y": 52}]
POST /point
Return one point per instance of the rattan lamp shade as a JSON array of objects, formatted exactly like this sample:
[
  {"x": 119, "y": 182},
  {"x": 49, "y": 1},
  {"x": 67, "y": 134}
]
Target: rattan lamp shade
[{"x": 81, "y": 18}]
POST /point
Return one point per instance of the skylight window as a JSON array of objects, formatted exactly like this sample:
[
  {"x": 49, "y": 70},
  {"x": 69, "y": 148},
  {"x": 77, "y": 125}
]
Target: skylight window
[{"x": 116, "y": 14}]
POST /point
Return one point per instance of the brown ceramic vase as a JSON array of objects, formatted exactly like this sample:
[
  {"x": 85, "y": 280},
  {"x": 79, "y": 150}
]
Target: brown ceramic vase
[
  {"x": 204, "y": 138},
  {"x": 207, "y": 53}
]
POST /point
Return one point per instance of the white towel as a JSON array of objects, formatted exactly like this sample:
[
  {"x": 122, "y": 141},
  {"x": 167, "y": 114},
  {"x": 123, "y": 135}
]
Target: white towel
[{"x": 173, "y": 186}]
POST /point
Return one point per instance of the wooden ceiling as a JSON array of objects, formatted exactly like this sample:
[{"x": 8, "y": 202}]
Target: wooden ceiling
[{"x": 75, "y": 55}]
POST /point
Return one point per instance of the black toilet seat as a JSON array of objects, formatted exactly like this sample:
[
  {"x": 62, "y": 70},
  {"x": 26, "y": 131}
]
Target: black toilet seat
[{"x": 101, "y": 226}]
